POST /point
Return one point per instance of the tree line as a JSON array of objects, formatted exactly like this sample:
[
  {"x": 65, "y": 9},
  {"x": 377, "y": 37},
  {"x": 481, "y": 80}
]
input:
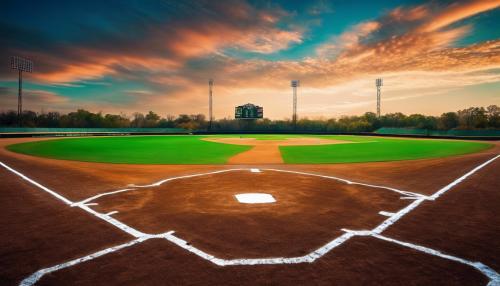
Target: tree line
[{"x": 470, "y": 118}]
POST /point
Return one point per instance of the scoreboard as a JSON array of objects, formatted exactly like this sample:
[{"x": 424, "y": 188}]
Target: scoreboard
[{"x": 248, "y": 111}]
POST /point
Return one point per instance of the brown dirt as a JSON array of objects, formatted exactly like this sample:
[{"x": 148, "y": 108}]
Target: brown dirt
[
  {"x": 39, "y": 231},
  {"x": 361, "y": 261},
  {"x": 284, "y": 142},
  {"x": 267, "y": 151},
  {"x": 464, "y": 222},
  {"x": 309, "y": 212},
  {"x": 264, "y": 154}
]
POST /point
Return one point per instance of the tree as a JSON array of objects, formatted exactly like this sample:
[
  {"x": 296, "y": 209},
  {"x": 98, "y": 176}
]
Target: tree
[
  {"x": 138, "y": 121},
  {"x": 470, "y": 118},
  {"x": 473, "y": 117},
  {"x": 448, "y": 120},
  {"x": 493, "y": 113},
  {"x": 151, "y": 119}
]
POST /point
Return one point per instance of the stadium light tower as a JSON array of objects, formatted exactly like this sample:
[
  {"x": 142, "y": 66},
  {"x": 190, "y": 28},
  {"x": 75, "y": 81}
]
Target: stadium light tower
[
  {"x": 378, "y": 82},
  {"x": 294, "y": 84},
  {"x": 20, "y": 64},
  {"x": 210, "y": 116}
]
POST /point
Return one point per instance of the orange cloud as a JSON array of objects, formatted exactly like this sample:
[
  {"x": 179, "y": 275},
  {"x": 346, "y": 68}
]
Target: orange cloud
[
  {"x": 165, "y": 47},
  {"x": 457, "y": 12}
]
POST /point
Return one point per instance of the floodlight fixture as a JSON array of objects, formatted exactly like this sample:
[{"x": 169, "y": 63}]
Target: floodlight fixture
[{"x": 21, "y": 65}]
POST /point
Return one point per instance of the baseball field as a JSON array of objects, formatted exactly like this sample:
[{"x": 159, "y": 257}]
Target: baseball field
[{"x": 249, "y": 210}]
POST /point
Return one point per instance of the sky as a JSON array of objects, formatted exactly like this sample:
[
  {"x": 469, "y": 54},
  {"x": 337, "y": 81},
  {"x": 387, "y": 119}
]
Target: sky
[{"x": 119, "y": 56}]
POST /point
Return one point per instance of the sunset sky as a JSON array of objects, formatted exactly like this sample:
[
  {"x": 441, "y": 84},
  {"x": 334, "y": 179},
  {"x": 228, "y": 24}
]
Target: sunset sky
[{"x": 127, "y": 56}]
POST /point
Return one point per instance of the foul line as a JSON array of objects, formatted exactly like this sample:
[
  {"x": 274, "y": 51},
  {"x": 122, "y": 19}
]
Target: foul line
[
  {"x": 58, "y": 196},
  {"x": 33, "y": 278},
  {"x": 406, "y": 193},
  {"x": 391, "y": 220},
  {"x": 140, "y": 236},
  {"x": 492, "y": 275}
]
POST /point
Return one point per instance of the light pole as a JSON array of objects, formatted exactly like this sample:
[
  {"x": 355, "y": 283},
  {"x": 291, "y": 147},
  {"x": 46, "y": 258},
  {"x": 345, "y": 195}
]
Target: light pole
[
  {"x": 20, "y": 64},
  {"x": 378, "y": 83},
  {"x": 210, "y": 116},
  {"x": 294, "y": 84}
]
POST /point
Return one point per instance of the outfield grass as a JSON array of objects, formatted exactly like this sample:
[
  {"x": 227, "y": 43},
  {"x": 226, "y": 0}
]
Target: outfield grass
[
  {"x": 133, "y": 150},
  {"x": 189, "y": 149},
  {"x": 368, "y": 149}
]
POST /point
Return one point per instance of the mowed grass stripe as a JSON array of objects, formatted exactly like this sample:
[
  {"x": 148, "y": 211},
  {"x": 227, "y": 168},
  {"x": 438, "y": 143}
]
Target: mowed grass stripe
[
  {"x": 383, "y": 149},
  {"x": 133, "y": 150}
]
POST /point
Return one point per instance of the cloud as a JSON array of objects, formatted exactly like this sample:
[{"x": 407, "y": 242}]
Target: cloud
[
  {"x": 458, "y": 11},
  {"x": 32, "y": 99},
  {"x": 412, "y": 47},
  {"x": 196, "y": 29}
]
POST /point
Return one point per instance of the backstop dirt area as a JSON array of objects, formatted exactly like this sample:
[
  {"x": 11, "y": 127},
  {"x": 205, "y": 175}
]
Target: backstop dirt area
[{"x": 422, "y": 222}]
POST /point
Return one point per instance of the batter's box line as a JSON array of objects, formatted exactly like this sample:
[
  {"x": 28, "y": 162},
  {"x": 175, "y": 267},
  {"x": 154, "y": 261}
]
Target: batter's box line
[{"x": 140, "y": 237}]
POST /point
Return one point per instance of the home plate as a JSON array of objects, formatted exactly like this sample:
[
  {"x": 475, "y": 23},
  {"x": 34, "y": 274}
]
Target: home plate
[{"x": 255, "y": 198}]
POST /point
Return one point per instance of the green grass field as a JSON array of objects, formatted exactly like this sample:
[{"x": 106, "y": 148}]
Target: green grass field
[
  {"x": 133, "y": 150},
  {"x": 377, "y": 149},
  {"x": 190, "y": 149}
]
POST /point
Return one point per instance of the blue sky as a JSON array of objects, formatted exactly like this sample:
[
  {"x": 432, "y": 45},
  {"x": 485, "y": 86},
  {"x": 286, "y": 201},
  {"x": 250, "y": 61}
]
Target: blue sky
[{"x": 127, "y": 56}]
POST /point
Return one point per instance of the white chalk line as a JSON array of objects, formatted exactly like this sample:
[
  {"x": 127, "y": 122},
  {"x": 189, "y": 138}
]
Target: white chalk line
[
  {"x": 187, "y": 177},
  {"x": 86, "y": 201},
  {"x": 384, "y": 213},
  {"x": 255, "y": 261},
  {"x": 459, "y": 180},
  {"x": 134, "y": 187},
  {"x": 307, "y": 258},
  {"x": 391, "y": 220},
  {"x": 107, "y": 218},
  {"x": 485, "y": 270},
  {"x": 408, "y": 195},
  {"x": 491, "y": 274},
  {"x": 58, "y": 196},
  {"x": 33, "y": 278}
]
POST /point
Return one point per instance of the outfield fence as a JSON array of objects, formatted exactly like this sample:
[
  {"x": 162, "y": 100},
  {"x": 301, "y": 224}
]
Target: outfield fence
[
  {"x": 29, "y": 132},
  {"x": 445, "y": 133}
]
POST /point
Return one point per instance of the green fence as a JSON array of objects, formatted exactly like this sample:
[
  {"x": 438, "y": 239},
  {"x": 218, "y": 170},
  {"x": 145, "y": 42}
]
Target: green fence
[
  {"x": 427, "y": 132},
  {"x": 92, "y": 130}
]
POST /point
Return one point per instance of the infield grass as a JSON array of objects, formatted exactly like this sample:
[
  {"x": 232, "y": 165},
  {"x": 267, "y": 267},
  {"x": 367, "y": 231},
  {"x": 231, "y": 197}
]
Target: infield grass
[
  {"x": 133, "y": 150},
  {"x": 190, "y": 149},
  {"x": 370, "y": 149}
]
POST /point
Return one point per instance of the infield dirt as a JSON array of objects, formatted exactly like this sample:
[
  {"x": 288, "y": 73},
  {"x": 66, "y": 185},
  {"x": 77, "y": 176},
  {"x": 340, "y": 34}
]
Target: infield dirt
[{"x": 267, "y": 151}]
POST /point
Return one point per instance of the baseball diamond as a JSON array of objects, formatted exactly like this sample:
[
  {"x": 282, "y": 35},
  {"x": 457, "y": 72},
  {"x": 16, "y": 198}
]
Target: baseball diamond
[
  {"x": 321, "y": 213},
  {"x": 250, "y": 143}
]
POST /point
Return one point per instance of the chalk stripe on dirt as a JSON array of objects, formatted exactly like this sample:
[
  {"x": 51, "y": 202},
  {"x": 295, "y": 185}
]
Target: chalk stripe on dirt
[{"x": 309, "y": 258}]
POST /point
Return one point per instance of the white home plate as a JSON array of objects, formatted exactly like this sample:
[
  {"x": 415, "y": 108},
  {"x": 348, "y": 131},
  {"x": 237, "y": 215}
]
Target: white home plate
[{"x": 255, "y": 198}]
